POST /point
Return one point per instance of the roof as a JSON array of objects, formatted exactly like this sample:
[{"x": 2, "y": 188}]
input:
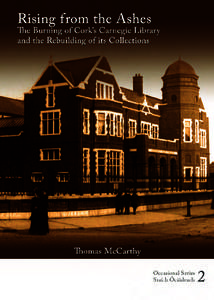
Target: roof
[
  {"x": 180, "y": 67},
  {"x": 12, "y": 126},
  {"x": 77, "y": 70},
  {"x": 134, "y": 96},
  {"x": 11, "y": 122},
  {"x": 74, "y": 72},
  {"x": 12, "y": 107}
]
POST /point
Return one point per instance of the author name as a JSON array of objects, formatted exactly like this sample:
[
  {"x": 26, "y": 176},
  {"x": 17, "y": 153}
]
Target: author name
[{"x": 108, "y": 251}]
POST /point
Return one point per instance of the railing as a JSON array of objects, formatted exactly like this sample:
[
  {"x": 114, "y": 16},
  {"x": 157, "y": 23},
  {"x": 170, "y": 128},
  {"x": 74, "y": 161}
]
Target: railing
[
  {"x": 149, "y": 200},
  {"x": 109, "y": 185},
  {"x": 160, "y": 184}
]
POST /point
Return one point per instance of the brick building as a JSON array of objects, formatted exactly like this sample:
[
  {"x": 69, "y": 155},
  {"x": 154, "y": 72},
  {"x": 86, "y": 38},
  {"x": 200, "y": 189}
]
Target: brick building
[{"x": 85, "y": 134}]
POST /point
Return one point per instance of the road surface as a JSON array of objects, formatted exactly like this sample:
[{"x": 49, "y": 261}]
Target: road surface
[{"x": 187, "y": 238}]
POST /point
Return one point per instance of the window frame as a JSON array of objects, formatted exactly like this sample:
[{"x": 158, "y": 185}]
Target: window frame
[
  {"x": 86, "y": 163},
  {"x": 59, "y": 174},
  {"x": 186, "y": 179},
  {"x": 203, "y": 138},
  {"x": 47, "y": 96},
  {"x": 197, "y": 172},
  {"x": 86, "y": 128},
  {"x": 149, "y": 131},
  {"x": 203, "y": 168},
  {"x": 103, "y": 89},
  {"x": 197, "y": 132},
  {"x": 37, "y": 177},
  {"x": 155, "y": 134},
  {"x": 109, "y": 161},
  {"x": 48, "y": 120},
  {"x": 119, "y": 132},
  {"x": 97, "y": 113},
  {"x": 184, "y": 130},
  {"x": 131, "y": 128},
  {"x": 117, "y": 119},
  {"x": 113, "y": 121},
  {"x": 49, "y": 149},
  {"x": 112, "y": 124}
]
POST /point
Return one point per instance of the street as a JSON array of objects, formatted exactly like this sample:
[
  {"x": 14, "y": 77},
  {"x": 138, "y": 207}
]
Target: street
[{"x": 187, "y": 238}]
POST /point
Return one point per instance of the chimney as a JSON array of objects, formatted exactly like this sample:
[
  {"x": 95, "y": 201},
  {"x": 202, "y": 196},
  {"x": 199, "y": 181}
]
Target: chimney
[{"x": 138, "y": 84}]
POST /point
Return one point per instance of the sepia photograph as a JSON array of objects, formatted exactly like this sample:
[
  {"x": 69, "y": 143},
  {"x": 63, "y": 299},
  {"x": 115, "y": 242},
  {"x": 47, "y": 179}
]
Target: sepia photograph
[
  {"x": 107, "y": 147},
  {"x": 82, "y": 156}
]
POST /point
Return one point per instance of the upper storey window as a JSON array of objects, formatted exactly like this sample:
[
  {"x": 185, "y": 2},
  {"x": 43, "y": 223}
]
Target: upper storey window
[
  {"x": 86, "y": 121},
  {"x": 50, "y": 122},
  {"x": 101, "y": 124},
  {"x": 109, "y": 123},
  {"x": 197, "y": 131},
  {"x": 155, "y": 131},
  {"x": 146, "y": 128},
  {"x": 203, "y": 139},
  {"x": 116, "y": 124},
  {"x": 187, "y": 130},
  {"x": 132, "y": 128},
  {"x": 50, "y": 96},
  {"x": 104, "y": 90}
]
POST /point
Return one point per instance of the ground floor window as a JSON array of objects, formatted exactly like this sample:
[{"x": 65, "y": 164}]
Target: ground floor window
[
  {"x": 116, "y": 165},
  {"x": 50, "y": 154},
  {"x": 197, "y": 171},
  {"x": 63, "y": 177},
  {"x": 37, "y": 177},
  {"x": 60, "y": 176},
  {"x": 109, "y": 165},
  {"x": 188, "y": 173},
  {"x": 86, "y": 165},
  {"x": 203, "y": 166}
]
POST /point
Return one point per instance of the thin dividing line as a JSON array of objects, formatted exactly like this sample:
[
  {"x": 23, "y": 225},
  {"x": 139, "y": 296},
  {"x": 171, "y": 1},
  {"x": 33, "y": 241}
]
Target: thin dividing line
[{"x": 50, "y": 220}]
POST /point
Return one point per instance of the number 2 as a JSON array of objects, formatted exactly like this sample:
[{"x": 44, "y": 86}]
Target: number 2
[{"x": 201, "y": 279}]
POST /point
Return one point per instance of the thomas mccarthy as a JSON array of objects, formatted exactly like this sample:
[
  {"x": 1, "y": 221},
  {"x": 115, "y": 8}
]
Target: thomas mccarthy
[{"x": 108, "y": 251}]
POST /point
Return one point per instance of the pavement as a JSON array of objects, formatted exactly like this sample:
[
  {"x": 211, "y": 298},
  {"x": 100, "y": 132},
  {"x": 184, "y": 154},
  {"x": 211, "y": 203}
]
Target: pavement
[{"x": 145, "y": 217}]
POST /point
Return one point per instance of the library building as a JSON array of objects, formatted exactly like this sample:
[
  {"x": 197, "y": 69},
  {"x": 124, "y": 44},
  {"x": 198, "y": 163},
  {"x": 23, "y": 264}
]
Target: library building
[{"x": 78, "y": 132}]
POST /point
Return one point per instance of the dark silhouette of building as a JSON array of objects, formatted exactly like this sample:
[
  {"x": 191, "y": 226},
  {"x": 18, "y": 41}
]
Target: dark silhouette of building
[{"x": 12, "y": 144}]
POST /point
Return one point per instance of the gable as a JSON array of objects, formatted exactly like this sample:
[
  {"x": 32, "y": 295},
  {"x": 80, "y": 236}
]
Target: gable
[
  {"x": 104, "y": 65},
  {"x": 50, "y": 74},
  {"x": 77, "y": 70}
]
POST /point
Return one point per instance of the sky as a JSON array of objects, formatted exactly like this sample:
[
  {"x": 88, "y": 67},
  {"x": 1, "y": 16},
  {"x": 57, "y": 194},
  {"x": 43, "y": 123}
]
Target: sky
[{"x": 184, "y": 31}]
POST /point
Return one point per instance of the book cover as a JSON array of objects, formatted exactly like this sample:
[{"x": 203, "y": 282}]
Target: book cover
[{"x": 106, "y": 129}]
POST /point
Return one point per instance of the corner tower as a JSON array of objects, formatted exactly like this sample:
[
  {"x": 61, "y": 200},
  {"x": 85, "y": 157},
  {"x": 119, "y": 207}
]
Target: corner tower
[{"x": 183, "y": 117}]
